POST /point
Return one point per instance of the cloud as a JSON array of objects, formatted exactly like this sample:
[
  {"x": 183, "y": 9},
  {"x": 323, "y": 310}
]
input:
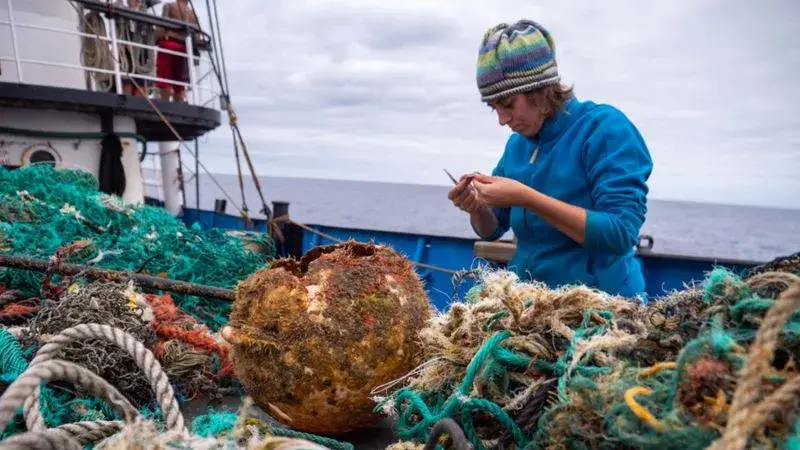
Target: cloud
[{"x": 386, "y": 91}]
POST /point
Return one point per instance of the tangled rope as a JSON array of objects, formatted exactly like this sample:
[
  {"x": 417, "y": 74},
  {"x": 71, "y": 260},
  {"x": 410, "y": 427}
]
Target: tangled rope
[
  {"x": 193, "y": 359},
  {"x": 25, "y": 391},
  {"x": 746, "y": 414},
  {"x": 142, "y": 356},
  {"x": 142, "y": 59},
  {"x": 460, "y": 403},
  {"x": 113, "y": 304},
  {"x": 95, "y": 52},
  {"x": 27, "y": 385},
  {"x": 525, "y": 366}
]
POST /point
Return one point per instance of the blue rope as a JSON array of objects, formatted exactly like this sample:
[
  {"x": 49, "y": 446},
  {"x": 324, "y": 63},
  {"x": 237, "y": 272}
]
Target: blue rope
[{"x": 491, "y": 361}]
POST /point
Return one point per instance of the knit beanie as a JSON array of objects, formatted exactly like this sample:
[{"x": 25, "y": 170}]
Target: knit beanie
[{"x": 514, "y": 59}]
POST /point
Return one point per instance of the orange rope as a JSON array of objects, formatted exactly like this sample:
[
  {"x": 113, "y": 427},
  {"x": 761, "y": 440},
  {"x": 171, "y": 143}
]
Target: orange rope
[
  {"x": 172, "y": 323},
  {"x": 19, "y": 309}
]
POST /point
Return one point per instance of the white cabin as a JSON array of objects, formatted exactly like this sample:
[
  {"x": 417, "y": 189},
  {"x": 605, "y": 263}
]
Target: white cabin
[{"x": 61, "y": 94}]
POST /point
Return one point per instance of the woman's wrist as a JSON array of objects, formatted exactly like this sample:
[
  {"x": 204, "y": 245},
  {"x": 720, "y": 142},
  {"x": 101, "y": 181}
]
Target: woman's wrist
[
  {"x": 567, "y": 218},
  {"x": 528, "y": 198}
]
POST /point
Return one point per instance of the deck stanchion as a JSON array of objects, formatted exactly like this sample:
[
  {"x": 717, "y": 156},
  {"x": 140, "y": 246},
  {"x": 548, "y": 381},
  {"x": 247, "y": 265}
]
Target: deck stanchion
[
  {"x": 190, "y": 65},
  {"x": 277, "y": 229},
  {"x": 289, "y": 237},
  {"x": 112, "y": 31}
]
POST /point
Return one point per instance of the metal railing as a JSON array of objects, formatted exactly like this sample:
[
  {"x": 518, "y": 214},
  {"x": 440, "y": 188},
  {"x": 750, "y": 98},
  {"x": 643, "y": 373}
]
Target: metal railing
[{"x": 202, "y": 87}]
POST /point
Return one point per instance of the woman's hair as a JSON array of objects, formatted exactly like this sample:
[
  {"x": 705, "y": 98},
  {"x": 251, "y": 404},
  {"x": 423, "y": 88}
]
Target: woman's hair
[{"x": 549, "y": 99}]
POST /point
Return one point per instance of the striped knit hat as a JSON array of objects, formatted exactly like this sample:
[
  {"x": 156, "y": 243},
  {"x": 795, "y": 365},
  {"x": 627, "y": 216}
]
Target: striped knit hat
[{"x": 514, "y": 59}]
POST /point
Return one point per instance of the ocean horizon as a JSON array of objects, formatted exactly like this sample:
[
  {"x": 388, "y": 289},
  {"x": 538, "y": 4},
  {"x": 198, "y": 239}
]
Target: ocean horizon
[{"x": 692, "y": 229}]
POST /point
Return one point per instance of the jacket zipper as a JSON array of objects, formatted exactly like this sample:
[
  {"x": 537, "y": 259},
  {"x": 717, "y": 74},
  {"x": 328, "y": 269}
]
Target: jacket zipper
[{"x": 532, "y": 160}]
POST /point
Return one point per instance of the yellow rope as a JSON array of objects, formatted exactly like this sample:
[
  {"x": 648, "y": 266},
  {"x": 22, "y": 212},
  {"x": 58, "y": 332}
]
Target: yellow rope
[
  {"x": 640, "y": 411},
  {"x": 718, "y": 404},
  {"x": 650, "y": 371}
]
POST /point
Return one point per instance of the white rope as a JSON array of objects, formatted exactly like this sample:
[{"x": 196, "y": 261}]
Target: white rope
[
  {"x": 142, "y": 59},
  {"x": 144, "y": 359},
  {"x": 44, "y": 367},
  {"x": 27, "y": 384},
  {"x": 52, "y": 439},
  {"x": 95, "y": 52},
  {"x": 90, "y": 432}
]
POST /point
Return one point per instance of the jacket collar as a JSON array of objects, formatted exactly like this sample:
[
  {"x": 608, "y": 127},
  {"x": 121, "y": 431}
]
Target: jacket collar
[{"x": 554, "y": 126}]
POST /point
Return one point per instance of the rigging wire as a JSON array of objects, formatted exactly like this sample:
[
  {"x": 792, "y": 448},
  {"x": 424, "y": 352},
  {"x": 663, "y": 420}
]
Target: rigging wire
[
  {"x": 233, "y": 120},
  {"x": 221, "y": 49},
  {"x": 216, "y": 41},
  {"x": 219, "y": 55}
]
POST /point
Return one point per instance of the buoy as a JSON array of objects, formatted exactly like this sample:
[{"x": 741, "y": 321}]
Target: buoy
[{"x": 311, "y": 338}]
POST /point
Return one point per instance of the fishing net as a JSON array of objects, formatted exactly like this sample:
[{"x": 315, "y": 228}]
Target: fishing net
[
  {"x": 43, "y": 209},
  {"x": 107, "y": 303},
  {"x": 196, "y": 365},
  {"x": 519, "y": 365}
]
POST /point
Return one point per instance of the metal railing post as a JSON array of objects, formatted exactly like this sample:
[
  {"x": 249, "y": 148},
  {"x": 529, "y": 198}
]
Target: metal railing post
[
  {"x": 112, "y": 31},
  {"x": 190, "y": 63},
  {"x": 14, "y": 45}
]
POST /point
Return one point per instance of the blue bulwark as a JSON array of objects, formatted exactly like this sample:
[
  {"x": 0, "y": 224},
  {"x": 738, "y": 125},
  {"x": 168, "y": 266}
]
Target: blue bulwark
[{"x": 442, "y": 260}]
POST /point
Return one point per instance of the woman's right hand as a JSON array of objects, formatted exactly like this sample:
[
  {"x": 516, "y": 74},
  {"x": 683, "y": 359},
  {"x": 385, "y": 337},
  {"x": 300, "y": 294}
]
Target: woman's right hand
[{"x": 464, "y": 196}]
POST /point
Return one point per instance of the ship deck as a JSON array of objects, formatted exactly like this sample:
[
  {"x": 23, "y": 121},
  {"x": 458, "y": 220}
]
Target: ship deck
[{"x": 188, "y": 120}]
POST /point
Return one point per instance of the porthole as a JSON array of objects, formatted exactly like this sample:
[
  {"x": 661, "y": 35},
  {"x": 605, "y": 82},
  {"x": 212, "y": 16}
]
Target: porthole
[{"x": 40, "y": 154}]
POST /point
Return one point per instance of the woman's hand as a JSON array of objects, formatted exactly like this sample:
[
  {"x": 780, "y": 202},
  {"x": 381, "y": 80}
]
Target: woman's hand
[
  {"x": 500, "y": 192},
  {"x": 464, "y": 196}
]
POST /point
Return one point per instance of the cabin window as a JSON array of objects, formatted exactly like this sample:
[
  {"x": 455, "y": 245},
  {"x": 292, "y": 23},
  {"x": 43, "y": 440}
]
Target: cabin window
[{"x": 42, "y": 156}]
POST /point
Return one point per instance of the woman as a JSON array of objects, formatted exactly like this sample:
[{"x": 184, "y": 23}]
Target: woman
[{"x": 572, "y": 181}]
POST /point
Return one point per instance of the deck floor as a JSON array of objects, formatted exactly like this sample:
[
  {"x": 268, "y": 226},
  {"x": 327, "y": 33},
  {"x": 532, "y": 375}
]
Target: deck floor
[{"x": 377, "y": 438}]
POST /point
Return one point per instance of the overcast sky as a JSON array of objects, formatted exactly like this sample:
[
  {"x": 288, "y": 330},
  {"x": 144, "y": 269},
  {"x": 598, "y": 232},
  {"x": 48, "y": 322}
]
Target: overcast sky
[{"x": 376, "y": 90}]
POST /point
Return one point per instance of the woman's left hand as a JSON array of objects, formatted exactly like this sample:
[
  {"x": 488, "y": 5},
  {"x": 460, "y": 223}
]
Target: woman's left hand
[{"x": 500, "y": 192}]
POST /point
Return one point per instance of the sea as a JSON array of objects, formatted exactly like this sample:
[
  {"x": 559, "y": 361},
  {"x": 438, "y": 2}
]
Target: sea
[{"x": 701, "y": 230}]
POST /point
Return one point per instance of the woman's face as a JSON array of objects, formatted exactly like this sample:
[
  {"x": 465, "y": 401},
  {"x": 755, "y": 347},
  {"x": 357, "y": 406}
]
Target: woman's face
[{"x": 519, "y": 113}]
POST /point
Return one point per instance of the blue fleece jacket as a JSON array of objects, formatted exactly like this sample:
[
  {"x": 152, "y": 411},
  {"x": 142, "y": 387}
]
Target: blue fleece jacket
[{"x": 588, "y": 155}]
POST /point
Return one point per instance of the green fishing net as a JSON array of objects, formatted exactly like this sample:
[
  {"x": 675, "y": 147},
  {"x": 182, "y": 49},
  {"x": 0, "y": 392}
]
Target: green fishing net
[{"x": 43, "y": 209}]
